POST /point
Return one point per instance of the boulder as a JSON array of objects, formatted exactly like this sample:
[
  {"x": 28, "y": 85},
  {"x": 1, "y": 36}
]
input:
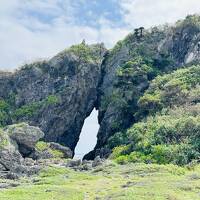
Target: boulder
[
  {"x": 10, "y": 159},
  {"x": 65, "y": 150},
  {"x": 9, "y": 155},
  {"x": 25, "y": 136},
  {"x": 46, "y": 150},
  {"x": 74, "y": 163},
  {"x": 97, "y": 161}
]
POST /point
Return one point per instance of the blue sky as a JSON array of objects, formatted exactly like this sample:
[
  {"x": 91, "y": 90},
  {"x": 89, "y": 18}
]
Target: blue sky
[{"x": 36, "y": 29}]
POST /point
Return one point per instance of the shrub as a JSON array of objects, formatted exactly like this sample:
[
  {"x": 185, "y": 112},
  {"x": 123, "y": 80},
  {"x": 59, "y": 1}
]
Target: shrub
[
  {"x": 52, "y": 99},
  {"x": 27, "y": 110},
  {"x": 122, "y": 159},
  {"x": 163, "y": 139},
  {"x": 173, "y": 89}
]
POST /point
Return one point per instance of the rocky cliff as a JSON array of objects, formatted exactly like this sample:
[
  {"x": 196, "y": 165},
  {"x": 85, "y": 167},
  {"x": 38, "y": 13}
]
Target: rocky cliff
[
  {"x": 56, "y": 95},
  {"x": 130, "y": 66},
  {"x": 59, "y": 94}
]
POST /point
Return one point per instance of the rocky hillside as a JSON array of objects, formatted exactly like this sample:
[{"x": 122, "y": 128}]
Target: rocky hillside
[
  {"x": 127, "y": 85},
  {"x": 56, "y": 95},
  {"x": 131, "y": 66}
]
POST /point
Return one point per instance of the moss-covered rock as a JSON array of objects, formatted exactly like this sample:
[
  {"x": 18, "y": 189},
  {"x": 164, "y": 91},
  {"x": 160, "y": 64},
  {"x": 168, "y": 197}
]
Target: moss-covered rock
[{"x": 46, "y": 150}]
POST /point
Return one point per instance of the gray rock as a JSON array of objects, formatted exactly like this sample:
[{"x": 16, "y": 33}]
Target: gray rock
[
  {"x": 65, "y": 150},
  {"x": 73, "y": 163},
  {"x": 97, "y": 162},
  {"x": 59, "y": 94},
  {"x": 12, "y": 176},
  {"x": 25, "y": 136},
  {"x": 38, "y": 155},
  {"x": 10, "y": 159},
  {"x": 86, "y": 167},
  {"x": 22, "y": 170},
  {"x": 2, "y": 168},
  {"x": 29, "y": 162}
]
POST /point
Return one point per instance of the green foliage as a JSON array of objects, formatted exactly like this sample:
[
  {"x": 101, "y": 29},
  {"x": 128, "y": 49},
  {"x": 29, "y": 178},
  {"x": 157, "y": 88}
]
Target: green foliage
[
  {"x": 3, "y": 139},
  {"x": 122, "y": 159},
  {"x": 41, "y": 146},
  {"x": 52, "y": 99},
  {"x": 56, "y": 153},
  {"x": 4, "y": 112},
  {"x": 190, "y": 20},
  {"x": 3, "y": 105},
  {"x": 163, "y": 139},
  {"x": 117, "y": 47},
  {"x": 117, "y": 139},
  {"x": 118, "y": 151},
  {"x": 29, "y": 110},
  {"x": 83, "y": 52},
  {"x": 177, "y": 88}
]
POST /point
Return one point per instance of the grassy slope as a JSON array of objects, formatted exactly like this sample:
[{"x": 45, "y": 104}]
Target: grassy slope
[{"x": 133, "y": 181}]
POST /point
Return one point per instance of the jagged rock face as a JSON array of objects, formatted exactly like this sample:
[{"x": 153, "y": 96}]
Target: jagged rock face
[
  {"x": 167, "y": 48},
  {"x": 57, "y": 95},
  {"x": 15, "y": 141},
  {"x": 21, "y": 152}
]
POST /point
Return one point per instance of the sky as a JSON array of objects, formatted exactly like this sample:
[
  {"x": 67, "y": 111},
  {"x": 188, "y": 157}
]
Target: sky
[
  {"x": 88, "y": 137},
  {"x": 38, "y": 29}
]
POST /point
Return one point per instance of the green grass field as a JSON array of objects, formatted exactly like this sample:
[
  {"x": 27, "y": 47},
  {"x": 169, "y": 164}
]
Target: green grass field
[{"x": 112, "y": 181}]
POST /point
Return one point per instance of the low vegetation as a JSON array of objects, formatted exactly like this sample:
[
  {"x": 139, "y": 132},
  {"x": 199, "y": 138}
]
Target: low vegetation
[
  {"x": 130, "y": 181},
  {"x": 168, "y": 126}
]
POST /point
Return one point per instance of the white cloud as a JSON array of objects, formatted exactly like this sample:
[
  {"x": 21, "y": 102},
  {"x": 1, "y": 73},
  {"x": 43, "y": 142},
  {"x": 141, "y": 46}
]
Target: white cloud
[
  {"x": 25, "y": 37},
  {"x": 154, "y": 12}
]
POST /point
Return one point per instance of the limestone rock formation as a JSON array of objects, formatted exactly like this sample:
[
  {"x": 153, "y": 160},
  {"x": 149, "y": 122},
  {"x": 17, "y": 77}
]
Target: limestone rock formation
[
  {"x": 25, "y": 136},
  {"x": 131, "y": 64},
  {"x": 59, "y": 94},
  {"x": 21, "y": 150},
  {"x": 55, "y": 95}
]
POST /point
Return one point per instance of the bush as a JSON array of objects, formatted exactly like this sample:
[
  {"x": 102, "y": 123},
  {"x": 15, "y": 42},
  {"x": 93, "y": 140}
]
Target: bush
[
  {"x": 177, "y": 88},
  {"x": 122, "y": 159},
  {"x": 27, "y": 110},
  {"x": 31, "y": 109},
  {"x": 162, "y": 139},
  {"x": 52, "y": 99}
]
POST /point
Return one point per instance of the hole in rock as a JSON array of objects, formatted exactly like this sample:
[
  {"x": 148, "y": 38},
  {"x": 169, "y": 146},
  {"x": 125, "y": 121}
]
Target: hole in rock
[{"x": 88, "y": 136}]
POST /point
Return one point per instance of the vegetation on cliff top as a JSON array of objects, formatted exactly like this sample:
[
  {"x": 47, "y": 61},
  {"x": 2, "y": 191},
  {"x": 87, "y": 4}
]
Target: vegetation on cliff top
[{"x": 168, "y": 131}]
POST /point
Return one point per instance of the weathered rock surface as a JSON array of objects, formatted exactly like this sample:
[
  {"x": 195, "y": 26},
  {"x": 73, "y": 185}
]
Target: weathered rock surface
[
  {"x": 59, "y": 94},
  {"x": 55, "y": 95},
  {"x": 17, "y": 142},
  {"x": 25, "y": 136},
  {"x": 46, "y": 150},
  {"x": 165, "y": 49},
  {"x": 67, "y": 153}
]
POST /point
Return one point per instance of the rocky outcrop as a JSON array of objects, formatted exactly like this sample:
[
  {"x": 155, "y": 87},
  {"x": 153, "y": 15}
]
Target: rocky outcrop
[
  {"x": 59, "y": 94},
  {"x": 9, "y": 154},
  {"x": 45, "y": 150},
  {"x": 19, "y": 145},
  {"x": 55, "y": 95},
  {"x": 162, "y": 49},
  {"x": 25, "y": 136}
]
